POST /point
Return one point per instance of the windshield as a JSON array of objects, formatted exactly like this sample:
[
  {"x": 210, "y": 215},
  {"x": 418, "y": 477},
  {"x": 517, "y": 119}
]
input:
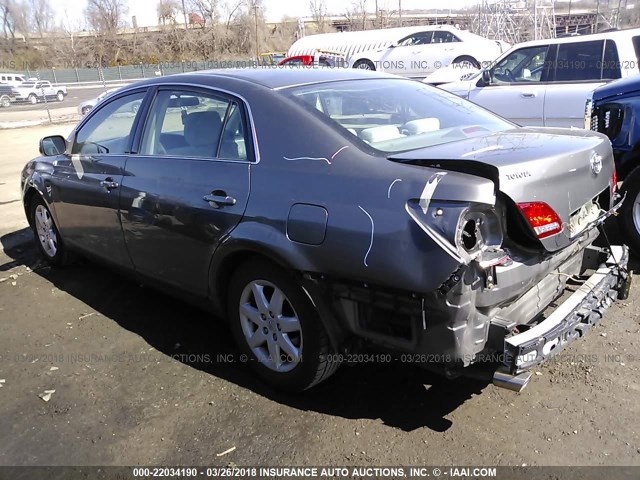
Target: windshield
[{"x": 393, "y": 115}]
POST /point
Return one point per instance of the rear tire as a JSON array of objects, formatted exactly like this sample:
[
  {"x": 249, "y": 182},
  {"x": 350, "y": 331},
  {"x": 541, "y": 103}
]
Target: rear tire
[
  {"x": 48, "y": 239},
  {"x": 277, "y": 327},
  {"x": 33, "y": 99},
  {"x": 5, "y": 101},
  {"x": 364, "y": 64},
  {"x": 60, "y": 96},
  {"x": 629, "y": 218}
]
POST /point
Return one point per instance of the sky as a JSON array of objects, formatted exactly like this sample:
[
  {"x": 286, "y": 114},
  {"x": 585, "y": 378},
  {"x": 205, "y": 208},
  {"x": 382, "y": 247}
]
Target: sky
[{"x": 145, "y": 10}]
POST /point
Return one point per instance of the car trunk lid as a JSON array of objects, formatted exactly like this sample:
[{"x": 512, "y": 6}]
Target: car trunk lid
[{"x": 564, "y": 169}]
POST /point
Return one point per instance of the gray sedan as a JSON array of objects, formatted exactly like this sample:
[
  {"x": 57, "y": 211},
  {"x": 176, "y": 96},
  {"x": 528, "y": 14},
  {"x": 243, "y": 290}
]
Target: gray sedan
[{"x": 327, "y": 213}]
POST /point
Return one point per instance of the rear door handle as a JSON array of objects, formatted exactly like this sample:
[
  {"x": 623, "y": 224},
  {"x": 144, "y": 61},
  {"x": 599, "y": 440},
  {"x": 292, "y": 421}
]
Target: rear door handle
[
  {"x": 109, "y": 184},
  {"x": 528, "y": 94},
  {"x": 219, "y": 198}
]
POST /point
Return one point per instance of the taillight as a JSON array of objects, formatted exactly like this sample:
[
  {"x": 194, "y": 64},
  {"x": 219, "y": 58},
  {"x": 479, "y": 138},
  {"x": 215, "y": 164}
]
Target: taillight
[
  {"x": 542, "y": 218},
  {"x": 613, "y": 188}
]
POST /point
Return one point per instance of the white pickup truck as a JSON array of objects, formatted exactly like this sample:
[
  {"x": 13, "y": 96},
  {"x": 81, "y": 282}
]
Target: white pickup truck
[{"x": 34, "y": 91}]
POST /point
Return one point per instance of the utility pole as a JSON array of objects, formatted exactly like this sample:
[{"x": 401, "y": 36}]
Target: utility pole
[
  {"x": 618, "y": 14},
  {"x": 255, "y": 12},
  {"x": 595, "y": 29},
  {"x": 184, "y": 16},
  {"x": 400, "y": 11},
  {"x": 377, "y": 24},
  {"x": 566, "y": 30}
]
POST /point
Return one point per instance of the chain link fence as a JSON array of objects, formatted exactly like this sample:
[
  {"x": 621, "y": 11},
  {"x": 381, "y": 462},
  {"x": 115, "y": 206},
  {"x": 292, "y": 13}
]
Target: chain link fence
[{"x": 129, "y": 72}]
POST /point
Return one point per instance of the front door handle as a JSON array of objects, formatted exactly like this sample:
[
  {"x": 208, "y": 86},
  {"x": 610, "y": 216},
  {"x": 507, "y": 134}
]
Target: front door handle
[
  {"x": 109, "y": 184},
  {"x": 219, "y": 198},
  {"x": 528, "y": 94}
]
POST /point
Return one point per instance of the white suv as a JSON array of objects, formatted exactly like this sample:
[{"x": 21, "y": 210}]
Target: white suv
[
  {"x": 13, "y": 79},
  {"x": 546, "y": 82}
]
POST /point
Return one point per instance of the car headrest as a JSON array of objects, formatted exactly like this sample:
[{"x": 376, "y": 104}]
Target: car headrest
[
  {"x": 202, "y": 128},
  {"x": 421, "y": 125},
  {"x": 380, "y": 134}
]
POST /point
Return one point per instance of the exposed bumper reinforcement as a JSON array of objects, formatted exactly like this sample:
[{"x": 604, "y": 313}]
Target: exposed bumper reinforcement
[{"x": 572, "y": 319}]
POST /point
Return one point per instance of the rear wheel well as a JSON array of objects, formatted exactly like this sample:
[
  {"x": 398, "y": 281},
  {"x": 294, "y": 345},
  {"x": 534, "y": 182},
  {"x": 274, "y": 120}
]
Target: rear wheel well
[
  {"x": 467, "y": 58},
  {"x": 222, "y": 273}
]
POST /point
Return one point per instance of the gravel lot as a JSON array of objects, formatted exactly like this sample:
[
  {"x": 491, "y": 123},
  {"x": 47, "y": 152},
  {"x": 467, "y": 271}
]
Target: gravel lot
[{"x": 140, "y": 378}]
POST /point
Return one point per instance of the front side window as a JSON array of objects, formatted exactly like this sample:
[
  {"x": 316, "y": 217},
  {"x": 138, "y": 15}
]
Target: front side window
[
  {"x": 421, "y": 38},
  {"x": 579, "y": 61},
  {"x": 190, "y": 124},
  {"x": 108, "y": 130},
  {"x": 394, "y": 115},
  {"x": 523, "y": 65}
]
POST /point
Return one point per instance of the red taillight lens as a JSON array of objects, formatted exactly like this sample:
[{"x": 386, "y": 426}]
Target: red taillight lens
[
  {"x": 614, "y": 183},
  {"x": 542, "y": 218}
]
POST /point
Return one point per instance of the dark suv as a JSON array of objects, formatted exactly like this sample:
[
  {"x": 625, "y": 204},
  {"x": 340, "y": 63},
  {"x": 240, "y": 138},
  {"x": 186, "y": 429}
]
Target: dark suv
[{"x": 614, "y": 109}]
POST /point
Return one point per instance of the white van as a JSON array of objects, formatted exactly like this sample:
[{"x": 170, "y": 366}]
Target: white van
[
  {"x": 13, "y": 79},
  {"x": 546, "y": 82}
]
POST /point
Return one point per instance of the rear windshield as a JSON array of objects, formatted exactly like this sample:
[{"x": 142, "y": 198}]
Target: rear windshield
[{"x": 393, "y": 115}]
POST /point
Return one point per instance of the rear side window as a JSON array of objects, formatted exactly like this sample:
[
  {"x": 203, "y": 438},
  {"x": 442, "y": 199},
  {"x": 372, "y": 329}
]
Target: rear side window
[
  {"x": 636, "y": 47},
  {"x": 579, "y": 61},
  {"x": 191, "y": 124},
  {"x": 610, "y": 61}
]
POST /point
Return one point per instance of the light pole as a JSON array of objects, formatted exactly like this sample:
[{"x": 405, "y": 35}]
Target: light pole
[
  {"x": 400, "y": 11},
  {"x": 184, "y": 16}
]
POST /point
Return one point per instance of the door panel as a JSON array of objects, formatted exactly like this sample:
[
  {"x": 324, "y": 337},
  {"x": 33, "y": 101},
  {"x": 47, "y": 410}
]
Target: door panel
[
  {"x": 564, "y": 104},
  {"x": 86, "y": 181},
  {"x": 522, "y": 104},
  {"x": 188, "y": 187},
  {"x": 170, "y": 230}
]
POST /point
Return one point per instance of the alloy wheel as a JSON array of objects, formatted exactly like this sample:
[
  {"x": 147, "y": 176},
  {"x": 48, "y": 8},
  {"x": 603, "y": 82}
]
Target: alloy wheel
[
  {"x": 46, "y": 232},
  {"x": 271, "y": 326}
]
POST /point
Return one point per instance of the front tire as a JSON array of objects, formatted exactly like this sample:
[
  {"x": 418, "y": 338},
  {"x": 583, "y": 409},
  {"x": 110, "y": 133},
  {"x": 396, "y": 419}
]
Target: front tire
[
  {"x": 33, "y": 99},
  {"x": 629, "y": 218},
  {"x": 277, "y": 327},
  {"x": 60, "y": 96},
  {"x": 48, "y": 239},
  {"x": 468, "y": 60},
  {"x": 364, "y": 64},
  {"x": 5, "y": 101}
]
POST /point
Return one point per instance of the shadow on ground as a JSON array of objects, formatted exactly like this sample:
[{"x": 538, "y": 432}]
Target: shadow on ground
[{"x": 402, "y": 396}]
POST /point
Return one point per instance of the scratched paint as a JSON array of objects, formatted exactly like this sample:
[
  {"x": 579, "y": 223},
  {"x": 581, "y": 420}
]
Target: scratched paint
[
  {"x": 366, "y": 255},
  {"x": 323, "y": 159},
  {"x": 429, "y": 190},
  {"x": 392, "y": 184}
]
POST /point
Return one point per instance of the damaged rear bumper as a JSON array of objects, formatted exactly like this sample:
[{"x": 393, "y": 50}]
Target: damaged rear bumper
[{"x": 572, "y": 319}]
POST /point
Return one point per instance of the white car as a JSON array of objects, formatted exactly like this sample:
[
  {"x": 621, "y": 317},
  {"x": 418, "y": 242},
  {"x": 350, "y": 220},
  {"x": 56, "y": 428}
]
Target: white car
[
  {"x": 86, "y": 106},
  {"x": 547, "y": 82},
  {"x": 429, "y": 49}
]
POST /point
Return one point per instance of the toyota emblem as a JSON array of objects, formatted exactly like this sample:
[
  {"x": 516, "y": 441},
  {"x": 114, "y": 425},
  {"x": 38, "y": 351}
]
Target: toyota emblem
[{"x": 596, "y": 163}]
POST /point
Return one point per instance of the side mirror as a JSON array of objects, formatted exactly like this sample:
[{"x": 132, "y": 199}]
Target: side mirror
[
  {"x": 52, "y": 145},
  {"x": 486, "y": 77}
]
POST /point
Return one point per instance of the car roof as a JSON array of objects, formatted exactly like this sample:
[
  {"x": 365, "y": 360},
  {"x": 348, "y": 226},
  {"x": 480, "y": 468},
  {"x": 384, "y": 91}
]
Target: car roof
[
  {"x": 614, "y": 34},
  {"x": 273, "y": 77}
]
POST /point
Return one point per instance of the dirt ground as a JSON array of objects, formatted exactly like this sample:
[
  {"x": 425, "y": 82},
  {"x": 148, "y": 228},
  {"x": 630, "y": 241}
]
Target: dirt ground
[{"x": 141, "y": 378}]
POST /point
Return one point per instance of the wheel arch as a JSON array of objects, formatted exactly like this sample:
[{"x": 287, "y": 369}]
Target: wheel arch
[{"x": 232, "y": 254}]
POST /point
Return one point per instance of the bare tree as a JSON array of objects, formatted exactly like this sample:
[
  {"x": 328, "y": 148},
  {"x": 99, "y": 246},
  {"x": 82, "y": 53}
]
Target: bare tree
[
  {"x": 319, "y": 14},
  {"x": 106, "y": 16},
  {"x": 208, "y": 10},
  {"x": 14, "y": 19},
  {"x": 41, "y": 16},
  {"x": 168, "y": 10},
  {"x": 357, "y": 15}
]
